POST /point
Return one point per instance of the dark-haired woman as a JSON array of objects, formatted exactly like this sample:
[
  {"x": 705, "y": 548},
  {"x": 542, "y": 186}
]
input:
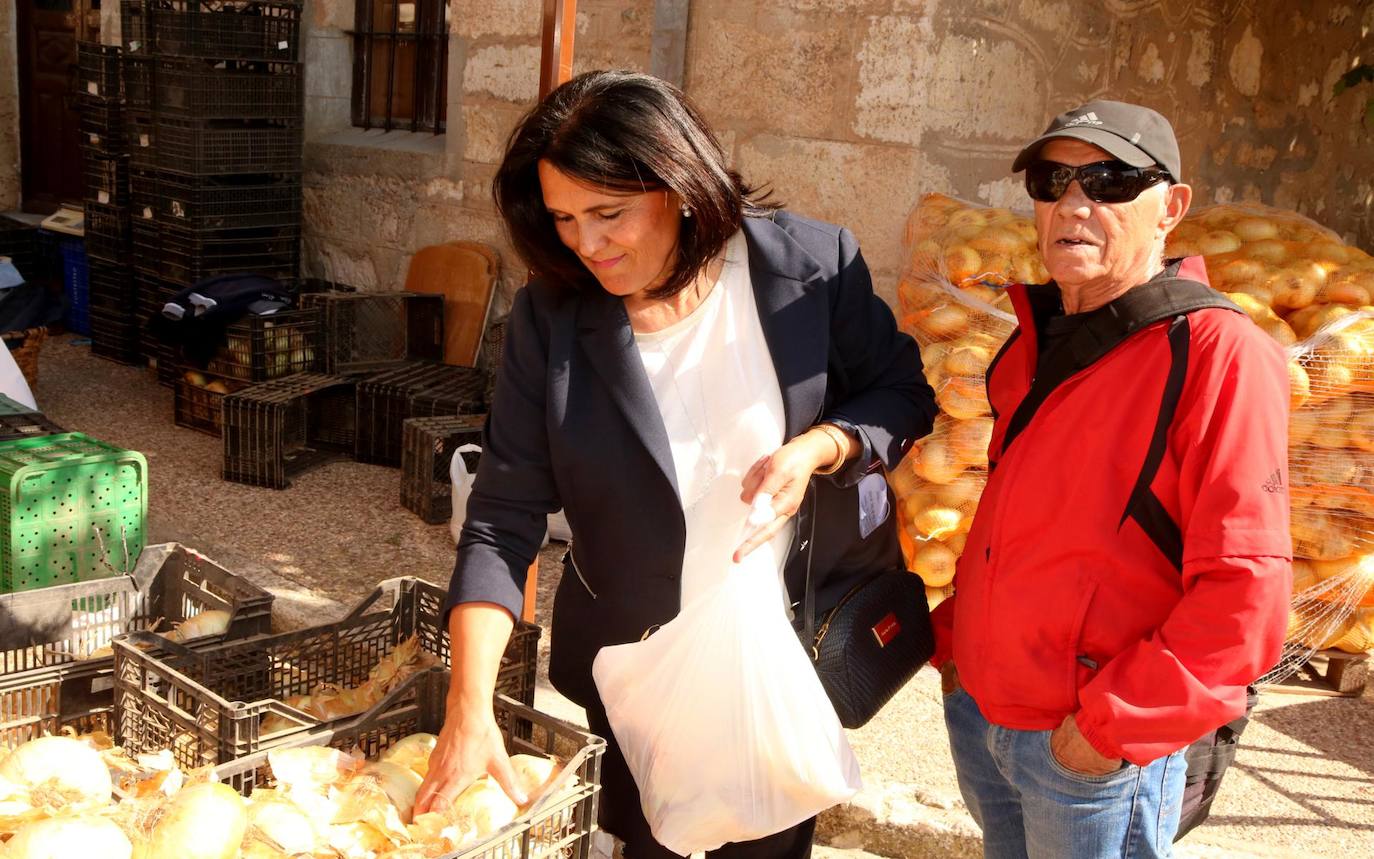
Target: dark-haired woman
[{"x": 682, "y": 347}]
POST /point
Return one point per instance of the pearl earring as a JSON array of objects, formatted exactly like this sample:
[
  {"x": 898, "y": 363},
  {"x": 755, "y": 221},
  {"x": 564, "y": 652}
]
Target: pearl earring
[{"x": 686, "y": 212}]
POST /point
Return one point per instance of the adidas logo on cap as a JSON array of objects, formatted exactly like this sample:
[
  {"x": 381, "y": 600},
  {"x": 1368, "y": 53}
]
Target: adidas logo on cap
[{"x": 1088, "y": 118}]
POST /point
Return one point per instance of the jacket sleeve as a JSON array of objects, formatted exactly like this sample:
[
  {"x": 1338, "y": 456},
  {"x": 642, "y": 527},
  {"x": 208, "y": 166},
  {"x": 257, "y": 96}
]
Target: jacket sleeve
[
  {"x": 890, "y": 405},
  {"x": 514, "y": 489},
  {"x": 1188, "y": 677}
]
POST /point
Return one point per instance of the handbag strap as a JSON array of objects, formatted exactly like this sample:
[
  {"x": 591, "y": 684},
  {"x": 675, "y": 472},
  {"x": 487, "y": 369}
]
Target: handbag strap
[{"x": 809, "y": 592}]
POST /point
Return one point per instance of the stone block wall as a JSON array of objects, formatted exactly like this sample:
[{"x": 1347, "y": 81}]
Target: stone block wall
[
  {"x": 9, "y": 110},
  {"x": 852, "y": 109}
]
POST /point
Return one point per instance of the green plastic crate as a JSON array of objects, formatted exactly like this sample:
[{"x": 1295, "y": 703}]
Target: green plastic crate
[{"x": 72, "y": 509}]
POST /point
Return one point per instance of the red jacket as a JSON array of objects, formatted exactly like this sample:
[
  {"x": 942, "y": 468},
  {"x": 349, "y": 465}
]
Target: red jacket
[{"x": 1124, "y": 566}]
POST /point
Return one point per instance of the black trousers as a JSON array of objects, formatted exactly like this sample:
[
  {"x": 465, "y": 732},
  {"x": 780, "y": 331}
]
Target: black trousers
[{"x": 621, "y": 815}]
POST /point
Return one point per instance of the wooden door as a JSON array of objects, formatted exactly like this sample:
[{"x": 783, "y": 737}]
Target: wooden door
[{"x": 50, "y": 160}]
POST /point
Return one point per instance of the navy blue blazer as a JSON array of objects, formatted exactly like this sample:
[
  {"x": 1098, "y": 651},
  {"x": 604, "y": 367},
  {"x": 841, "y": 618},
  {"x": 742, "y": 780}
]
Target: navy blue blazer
[{"x": 574, "y": 424}]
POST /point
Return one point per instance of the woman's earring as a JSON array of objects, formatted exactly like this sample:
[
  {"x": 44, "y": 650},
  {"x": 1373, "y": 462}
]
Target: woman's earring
[{"x": 686, "y": 212}]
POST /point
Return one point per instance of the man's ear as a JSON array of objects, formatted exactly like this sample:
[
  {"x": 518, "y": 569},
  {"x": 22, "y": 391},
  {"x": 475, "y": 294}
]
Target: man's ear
[{"x": 1176, "y": 202}]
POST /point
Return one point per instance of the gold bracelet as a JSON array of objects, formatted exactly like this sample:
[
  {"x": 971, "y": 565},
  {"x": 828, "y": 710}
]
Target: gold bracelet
[{"x": 841, "y": 445}]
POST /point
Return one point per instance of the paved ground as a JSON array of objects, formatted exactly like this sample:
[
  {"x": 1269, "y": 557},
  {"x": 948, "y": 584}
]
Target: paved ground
[{"x": 1303, "y": 785}]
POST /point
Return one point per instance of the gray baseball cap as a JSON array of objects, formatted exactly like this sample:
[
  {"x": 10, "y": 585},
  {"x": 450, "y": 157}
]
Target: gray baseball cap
[{"x": 1136, "y": 135}]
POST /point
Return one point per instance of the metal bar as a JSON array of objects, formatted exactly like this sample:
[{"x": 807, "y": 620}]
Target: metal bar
[
  {"x": 556, "y": 44},
  {"x": 363, "y": 10},
  {"x": 421, "y": 38},
  {"x": 667, "y": 57},
  {"x": 440, "y": 68},
  {"x": 391, "y": 66}
]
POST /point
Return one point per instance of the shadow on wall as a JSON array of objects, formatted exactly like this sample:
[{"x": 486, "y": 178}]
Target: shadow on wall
[{"x": 1336, "y": 794}]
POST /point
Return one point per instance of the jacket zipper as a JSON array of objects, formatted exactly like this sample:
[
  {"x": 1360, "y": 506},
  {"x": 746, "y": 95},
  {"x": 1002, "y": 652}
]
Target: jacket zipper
[{"x": 581, "y": 578}]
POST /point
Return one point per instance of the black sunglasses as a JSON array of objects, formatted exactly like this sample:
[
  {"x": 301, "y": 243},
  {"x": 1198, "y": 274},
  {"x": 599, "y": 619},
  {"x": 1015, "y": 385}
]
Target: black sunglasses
[{"x": 1101, "y": 181}]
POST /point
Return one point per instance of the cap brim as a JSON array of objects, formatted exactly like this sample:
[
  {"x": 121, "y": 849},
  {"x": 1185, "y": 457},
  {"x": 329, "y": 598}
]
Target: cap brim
[{"x": 1105, "y": 140}]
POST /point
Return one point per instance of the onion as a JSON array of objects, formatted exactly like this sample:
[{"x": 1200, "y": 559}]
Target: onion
[
  {"x": 203, "y": 821},
  {"x": 278, "y": 820},
  {"x": 311, "y": 767},
  {"x": 214, "y": 622},
  {"x": 67, "y": 837},
  {"x": 484, "y": 806},
  {"x": 400, "y": 784},
  {"x": 533, "y": 772},
  {"x": 412, "y": 752},
  {"x": 58, "y": 773}
]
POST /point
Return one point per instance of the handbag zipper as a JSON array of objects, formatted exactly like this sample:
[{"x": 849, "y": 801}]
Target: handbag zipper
[{"x": 825, "y": 627}]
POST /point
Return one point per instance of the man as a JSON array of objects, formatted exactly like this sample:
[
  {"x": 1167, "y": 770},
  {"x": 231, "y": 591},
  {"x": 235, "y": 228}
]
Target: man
[{"x": 1128, "y": 571}]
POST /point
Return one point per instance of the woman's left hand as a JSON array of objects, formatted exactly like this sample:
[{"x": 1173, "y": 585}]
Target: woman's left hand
[{"x": 784, "y": 475}]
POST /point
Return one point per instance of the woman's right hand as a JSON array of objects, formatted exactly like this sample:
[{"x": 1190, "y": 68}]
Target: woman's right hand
[
  {"x": 469, "y": 746},
  {"x": 470, "y": 743}
]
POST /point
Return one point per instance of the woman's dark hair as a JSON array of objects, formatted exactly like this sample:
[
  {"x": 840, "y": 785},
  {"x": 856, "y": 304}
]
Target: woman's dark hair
[{"x": 627, "y": 132}]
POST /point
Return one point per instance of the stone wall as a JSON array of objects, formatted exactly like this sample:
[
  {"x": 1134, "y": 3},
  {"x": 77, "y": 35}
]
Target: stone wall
[
  {"x": 9, "y": 110},
  {"x": 372, "y": 199},
  {"x": 852, "y": 109}
]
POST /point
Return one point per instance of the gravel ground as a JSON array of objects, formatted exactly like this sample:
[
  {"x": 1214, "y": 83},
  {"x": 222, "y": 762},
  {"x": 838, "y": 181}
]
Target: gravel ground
[{"x": 1302, "y": 786}]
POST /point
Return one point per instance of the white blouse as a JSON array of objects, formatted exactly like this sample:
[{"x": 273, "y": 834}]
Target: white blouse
[{"x": 717, "y": 391}]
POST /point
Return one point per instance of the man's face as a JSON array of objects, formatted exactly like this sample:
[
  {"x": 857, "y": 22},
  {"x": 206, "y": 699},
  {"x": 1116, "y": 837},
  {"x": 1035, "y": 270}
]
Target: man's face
[{"x": 1084, "y": 243}]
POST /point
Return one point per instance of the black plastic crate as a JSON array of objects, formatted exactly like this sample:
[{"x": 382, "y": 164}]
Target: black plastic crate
[
  {"x": 140, "y": 130},
  {"x": 369, "y": 331},
  {"x": 200, "y": 204},
  {"x": 212, "y": 148},
  {"x": 276, "y": 430},
  {"x": 384, "y": 404},
  {"x": 133, "y": 28},
  {"x": 427, "y": 447},
  {"x": 197, "y": 400},
  {"x": 140, "y": 79},
  {"x": 194, "y": 87},
  {"x": 26, "y": 425},
  {"x": 246, "y": 29},
  {"x": 115, "y": 336},
  {"x": 190, "y": 256},
  {"x": 107, "y": 232},
  {"x": 107, "y": 178},
  {"x": 562, "y": 827},
  {"x": 113, "y": 290},
  {"x": 207, "y": 704},
  {"x": 102, "y": 126},
  {"x": 259, "y": 348},
  {"x": 98, "y": 70},
  {"x": 462, "y": 392},
  {"x": 55, "y": 642}
]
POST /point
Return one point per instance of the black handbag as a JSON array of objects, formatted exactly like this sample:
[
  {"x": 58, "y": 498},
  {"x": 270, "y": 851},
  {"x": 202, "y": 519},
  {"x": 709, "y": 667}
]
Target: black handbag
[{"x": 871, "y": 643}]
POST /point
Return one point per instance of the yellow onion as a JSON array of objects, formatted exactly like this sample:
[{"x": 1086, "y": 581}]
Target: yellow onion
[
  {"x": 59, "y": 773},
  {"x": 963, "y": 398},
  {"x": 934, "y": 461},
  {"x": 214, "y": 622},
  {"x": 934, "y": 563},
  {"x": 67, "y": 838},
  {"x": 412, "y": 752},
  {"x": 206, "y": 820},
  {"x": 484, "y": 806},
  {"x": 937, "y": 521},
  {"x": 1299, "y": 385},
  {"x": 533, "y": 772},
  {"x": 399, "y": 783},
  {"x": 281, "y": 822}
]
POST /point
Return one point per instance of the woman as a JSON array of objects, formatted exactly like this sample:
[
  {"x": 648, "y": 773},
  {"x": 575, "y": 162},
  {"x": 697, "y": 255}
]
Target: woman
[{"x": 682, "y": 347}]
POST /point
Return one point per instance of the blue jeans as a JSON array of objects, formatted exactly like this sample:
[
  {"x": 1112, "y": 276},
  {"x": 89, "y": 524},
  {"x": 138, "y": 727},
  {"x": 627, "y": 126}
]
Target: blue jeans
[{"x": 1030, "y": 805}]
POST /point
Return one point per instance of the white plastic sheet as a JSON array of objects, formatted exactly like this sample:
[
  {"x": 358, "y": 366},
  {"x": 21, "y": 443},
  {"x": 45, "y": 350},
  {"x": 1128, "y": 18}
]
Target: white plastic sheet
[{"x": 722, "y": 720}]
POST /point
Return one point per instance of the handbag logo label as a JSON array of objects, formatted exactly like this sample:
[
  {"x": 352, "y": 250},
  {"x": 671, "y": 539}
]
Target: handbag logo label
[{"x": 887, "y": 629}]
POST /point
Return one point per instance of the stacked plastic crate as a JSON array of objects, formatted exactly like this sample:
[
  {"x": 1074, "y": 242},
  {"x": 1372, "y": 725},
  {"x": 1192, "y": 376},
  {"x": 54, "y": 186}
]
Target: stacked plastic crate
[
  {"x": 111, "y": 298},
  {"x": 214, "y": 107}
]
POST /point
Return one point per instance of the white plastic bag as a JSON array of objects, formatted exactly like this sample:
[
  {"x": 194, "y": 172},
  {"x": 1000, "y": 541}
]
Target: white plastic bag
[
  {"x": 462, "y": 487},
  {"x": 722, "y": 720}
]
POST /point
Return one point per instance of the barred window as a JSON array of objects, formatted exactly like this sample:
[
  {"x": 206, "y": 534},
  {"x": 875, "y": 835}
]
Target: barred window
[{"x": 400, "y": 64}]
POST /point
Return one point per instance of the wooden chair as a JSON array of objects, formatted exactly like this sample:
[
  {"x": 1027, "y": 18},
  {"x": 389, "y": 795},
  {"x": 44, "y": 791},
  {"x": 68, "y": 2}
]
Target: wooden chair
[{"x": 466, "y": 274}]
